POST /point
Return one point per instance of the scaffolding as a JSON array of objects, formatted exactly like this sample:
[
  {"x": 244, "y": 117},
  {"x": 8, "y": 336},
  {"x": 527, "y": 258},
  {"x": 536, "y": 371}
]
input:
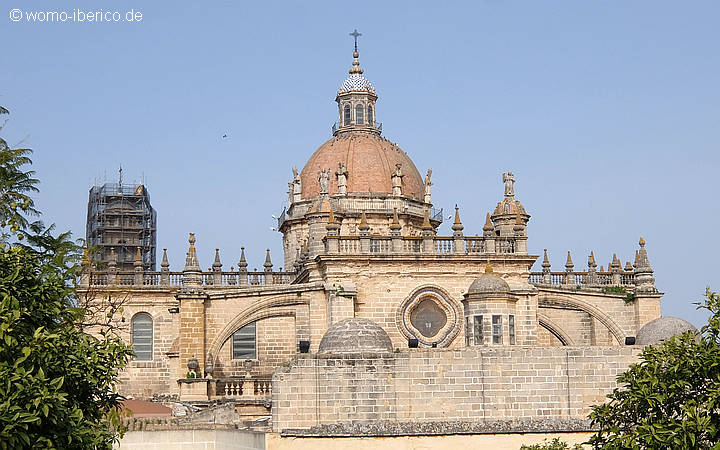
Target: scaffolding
[{"x": 120, "y": 220}]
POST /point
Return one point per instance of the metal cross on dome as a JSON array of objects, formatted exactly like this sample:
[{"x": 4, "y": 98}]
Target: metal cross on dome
[{"x": 355, "y": 34}]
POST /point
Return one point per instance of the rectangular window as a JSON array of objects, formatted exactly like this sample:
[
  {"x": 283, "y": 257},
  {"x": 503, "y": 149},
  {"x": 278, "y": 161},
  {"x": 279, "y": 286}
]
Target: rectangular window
[
  {"x": 497, "y": 329},
  {"x": 478, "y": 330},
  {"x": 511, "y": 328},
  {"x": 467, "y": 331},
  {"x": 243, "y": 344}
]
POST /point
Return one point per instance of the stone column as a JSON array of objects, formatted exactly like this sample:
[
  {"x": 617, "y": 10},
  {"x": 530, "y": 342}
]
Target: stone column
[
  {"x": 395, "y": 234},
  {"x": 192, "y": 312}
]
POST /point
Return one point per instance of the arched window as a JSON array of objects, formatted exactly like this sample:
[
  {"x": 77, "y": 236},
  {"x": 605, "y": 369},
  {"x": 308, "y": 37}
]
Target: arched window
[
  {"x": 346, "y": 118},
  {"x": 359, "y": 119},
  {"x": 370, "y": 115},
  {"x": 244, "y": 343},
  {"x": 142, "y": 336}
]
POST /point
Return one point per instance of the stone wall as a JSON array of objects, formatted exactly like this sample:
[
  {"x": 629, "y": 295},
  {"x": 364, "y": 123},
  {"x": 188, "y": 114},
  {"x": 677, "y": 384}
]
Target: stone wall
[
  {"x": 469, "y": 384},
  {"x": 207, "y": 439}
]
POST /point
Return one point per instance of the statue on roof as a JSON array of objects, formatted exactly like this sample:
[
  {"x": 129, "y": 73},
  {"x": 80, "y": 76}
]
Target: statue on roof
[
  {"x": 324, "y": 180},
  {"x": 428, "y": 183},
  {"x": 509, "y": 180},
  {"x": 396, "y": 179},
  {"x": 342, "y": 174},
  {"x": 297, "y": 185}
]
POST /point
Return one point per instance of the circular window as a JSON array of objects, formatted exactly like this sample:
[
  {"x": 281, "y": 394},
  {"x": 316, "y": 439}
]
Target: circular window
[{"x": 429, "y": 315}]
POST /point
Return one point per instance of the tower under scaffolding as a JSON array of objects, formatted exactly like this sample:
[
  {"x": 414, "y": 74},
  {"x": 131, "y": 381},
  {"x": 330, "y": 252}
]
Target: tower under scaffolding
[{"x": 120, "y": 220}]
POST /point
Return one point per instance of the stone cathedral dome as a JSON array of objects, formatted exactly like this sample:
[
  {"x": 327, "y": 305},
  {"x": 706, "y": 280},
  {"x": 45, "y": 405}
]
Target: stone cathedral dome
[
  {"x": 355, "y": 335},
  {"x": 370, "y": 160}
]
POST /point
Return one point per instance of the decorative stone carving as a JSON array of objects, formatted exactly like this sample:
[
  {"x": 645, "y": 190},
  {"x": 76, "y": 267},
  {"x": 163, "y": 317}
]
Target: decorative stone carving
[
  {"x": 428, "y": 183},
  {"x": 342, "y": 174},
  {"x": 396, "y": 179}
]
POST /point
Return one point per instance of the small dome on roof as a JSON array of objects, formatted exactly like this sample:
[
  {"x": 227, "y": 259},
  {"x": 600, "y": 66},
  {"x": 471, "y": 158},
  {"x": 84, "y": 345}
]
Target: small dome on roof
[
  {"x": 356, "y": 83},
  {"x": 662, "y": 329},
  {"x": 489, "y": 283},
  {"x": 355, "y": 335}
]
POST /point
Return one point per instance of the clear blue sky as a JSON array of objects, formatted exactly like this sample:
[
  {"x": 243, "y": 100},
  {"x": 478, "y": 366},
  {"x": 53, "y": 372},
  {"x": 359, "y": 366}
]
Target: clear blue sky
[{"x": 606, "y": 111}]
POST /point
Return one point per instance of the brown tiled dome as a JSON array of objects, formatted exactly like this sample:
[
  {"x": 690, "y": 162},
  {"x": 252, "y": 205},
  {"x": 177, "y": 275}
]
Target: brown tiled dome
[{"x": 370, "y": 161}]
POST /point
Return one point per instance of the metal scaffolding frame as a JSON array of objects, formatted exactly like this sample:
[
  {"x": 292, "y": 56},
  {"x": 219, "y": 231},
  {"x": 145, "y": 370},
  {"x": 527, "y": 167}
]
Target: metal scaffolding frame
[{"x": 121, "y": 219}]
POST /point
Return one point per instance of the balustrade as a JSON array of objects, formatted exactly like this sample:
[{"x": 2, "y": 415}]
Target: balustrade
[
  {"x": 244, "y": 387},
  {"x": 581, "y": 279}
]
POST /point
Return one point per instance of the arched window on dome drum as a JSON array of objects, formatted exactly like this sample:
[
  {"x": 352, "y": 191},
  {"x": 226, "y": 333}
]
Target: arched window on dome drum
[
  {"x": 370, "y": 115},
  {"x": 359, "y": 119},
  {"x": 142, "y": 336},
  {"x": 244, "y": 343},
  {"x": 346, "y": 118}
]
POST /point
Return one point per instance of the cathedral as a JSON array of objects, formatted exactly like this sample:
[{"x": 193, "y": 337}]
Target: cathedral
[{"x": 377, "y": 318}]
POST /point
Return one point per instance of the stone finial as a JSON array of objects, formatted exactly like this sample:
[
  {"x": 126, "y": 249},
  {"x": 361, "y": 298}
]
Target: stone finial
[
  {"x": 569, "y": 263},
  {"x": 569, "y": 279},
  {"x": 138, "y": 258},
  {"x": 628, "y": 267},
  {"x": 331, "y": 216},
  {"x": 602, "y": 268},
  {"x": 457, "y": 226},
  {"x": 488, "y": 224},
  {"x": 546, "y": 276},
  {"x": 191, "y": 261},
  {"x": 488, "y": 268},
  {"x": 591, "y": 277},
  {"x": 363, "y": 223},
  {"x": 85, "y": 262},
  {"x": 165, "y": 265},
  {"x": 395, "y": 224},
  {"x": 113, "y": 259},
  {"x": 644, "y": 280},
  {"x": 268, "y": 265},
  {"x": 636, "y": 258},
  {"x": 217, "y": 265},
  {"x": 242, "y": 264}
]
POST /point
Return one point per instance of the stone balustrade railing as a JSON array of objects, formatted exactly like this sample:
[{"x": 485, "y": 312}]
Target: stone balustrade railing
[
  {"x": 166, "y": 278},
  {"x": 244, "y": 388},
  {"x": 387, "y": 245},
  {"x": 598, "y": 279}
]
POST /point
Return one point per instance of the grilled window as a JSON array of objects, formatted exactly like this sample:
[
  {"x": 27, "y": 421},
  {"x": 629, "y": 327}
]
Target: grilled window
[
  {"x": 142, "y": 336},
  {"x": 497, "y": 329},
  {"x": 478, "y": 330},
  {"x": 511, "y": 328},
  {"x": 346, "y": 118},
  {"x": 370, "y": 115},
  {"x": 243, "y": 345},
  {"x": 359, "y": 116}
]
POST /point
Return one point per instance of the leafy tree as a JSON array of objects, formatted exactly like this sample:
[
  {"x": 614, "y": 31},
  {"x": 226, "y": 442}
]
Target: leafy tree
[
  {"x": 56, "y": 382},
  {"x": 555, "y": 444},
  {"x": 671, "y": 398}
]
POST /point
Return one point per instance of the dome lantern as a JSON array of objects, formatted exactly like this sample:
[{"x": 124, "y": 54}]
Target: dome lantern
[{"x": 356, "y": 100}]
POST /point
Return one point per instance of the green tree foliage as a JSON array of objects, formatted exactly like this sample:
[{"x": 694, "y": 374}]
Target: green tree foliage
[
  {"x": 56, "y": 382},
  {"x": 555, "y": 444},
  {"x": 671, "y": 398}
]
